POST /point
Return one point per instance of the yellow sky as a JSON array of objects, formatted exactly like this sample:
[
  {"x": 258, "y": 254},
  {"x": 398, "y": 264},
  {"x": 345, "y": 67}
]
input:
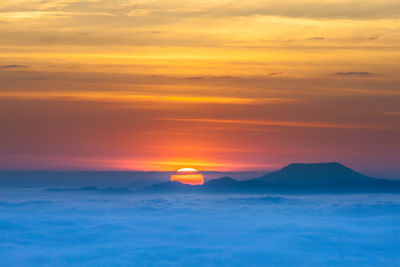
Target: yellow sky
[{"x": 217, "y": 84}]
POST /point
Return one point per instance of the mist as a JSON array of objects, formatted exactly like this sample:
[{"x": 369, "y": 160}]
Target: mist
[{"x": 45, "y": 228}]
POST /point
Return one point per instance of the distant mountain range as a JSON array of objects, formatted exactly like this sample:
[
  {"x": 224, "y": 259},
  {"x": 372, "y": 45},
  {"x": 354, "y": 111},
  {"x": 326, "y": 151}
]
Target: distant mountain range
[
  {"x": 294, "y": 178},
  {"x": 100, "y": 179}
]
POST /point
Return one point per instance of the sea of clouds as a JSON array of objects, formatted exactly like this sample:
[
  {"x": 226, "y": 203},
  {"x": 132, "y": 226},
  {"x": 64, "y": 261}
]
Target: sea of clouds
[{"x": 42, "y": 228}]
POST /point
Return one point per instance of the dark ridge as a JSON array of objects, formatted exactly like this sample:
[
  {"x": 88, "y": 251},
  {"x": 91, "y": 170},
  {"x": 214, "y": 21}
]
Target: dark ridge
[
  {"x": 221, "y": 185},
  {"x": 169, "y": 187},
  {"x": 314, "y": 174},
  {"x": 331, "y": 177},
  {"x": 221, "y": 182}
]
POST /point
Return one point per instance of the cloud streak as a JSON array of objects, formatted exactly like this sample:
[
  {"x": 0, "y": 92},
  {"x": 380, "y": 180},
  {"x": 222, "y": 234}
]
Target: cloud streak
[
  {"x": 13, "y": 66},
  {"x": 352, "y": 9},
  {"x": 279, "y": 123},
  {"x": 355, "y": 73},
  {"x": 132, "y": 97}
]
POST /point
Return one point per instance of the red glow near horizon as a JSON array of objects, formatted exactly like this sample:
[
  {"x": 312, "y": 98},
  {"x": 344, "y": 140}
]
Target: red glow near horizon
[{"x": 188, "y": 176}]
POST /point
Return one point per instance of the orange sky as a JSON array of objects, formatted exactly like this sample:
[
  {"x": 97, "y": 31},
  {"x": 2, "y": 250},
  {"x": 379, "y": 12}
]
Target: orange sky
[{"x": 216, "y": 85}]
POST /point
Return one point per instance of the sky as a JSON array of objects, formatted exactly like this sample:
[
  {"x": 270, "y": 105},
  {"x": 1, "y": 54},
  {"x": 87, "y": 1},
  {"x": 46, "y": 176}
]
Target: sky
[{"x": 215, "y": 85}]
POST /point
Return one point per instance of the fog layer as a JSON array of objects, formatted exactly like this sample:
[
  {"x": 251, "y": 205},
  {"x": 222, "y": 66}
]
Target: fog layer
[{"x": 41, "y": 228}]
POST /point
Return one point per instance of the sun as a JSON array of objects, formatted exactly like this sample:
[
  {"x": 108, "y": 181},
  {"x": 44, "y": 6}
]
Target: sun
[
  {"x": 187, "y": 170},
  {"x": 188, "y": 176}
]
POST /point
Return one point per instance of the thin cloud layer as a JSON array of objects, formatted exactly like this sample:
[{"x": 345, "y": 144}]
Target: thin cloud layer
[
  {"x": 354, "y": 9},
  {"x": 355, "y": 73},
  {"x": 13, "y": 66},
  {"x": 279, "y": 123}
]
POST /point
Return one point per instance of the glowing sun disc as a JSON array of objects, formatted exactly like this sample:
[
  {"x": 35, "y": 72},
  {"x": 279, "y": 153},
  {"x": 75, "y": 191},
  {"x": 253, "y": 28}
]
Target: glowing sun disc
[
  {"x": 187, "y": 170},
  {"x": 188, "y": 176}
]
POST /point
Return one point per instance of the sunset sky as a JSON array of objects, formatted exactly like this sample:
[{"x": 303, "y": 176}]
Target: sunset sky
[{"x": 208, "y": 84}]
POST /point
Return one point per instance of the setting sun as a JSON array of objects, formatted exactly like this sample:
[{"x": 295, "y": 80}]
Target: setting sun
[
  {"x": 188, "y": 176},
  {"x": 187, "y": 170}
]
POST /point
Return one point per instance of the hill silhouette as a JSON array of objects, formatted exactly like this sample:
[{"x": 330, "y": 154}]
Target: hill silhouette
[
  {"x": 315, "y": 174},
  {"x": 170, "y": 187},
  {"x": 329, "y": 177}
]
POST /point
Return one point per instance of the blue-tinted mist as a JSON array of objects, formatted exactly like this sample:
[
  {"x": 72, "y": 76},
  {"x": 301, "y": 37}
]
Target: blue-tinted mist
[{"x": 46, "y": 228}]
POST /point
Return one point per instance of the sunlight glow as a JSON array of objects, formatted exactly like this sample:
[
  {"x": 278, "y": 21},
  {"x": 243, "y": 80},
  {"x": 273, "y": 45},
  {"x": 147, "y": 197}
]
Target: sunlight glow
[
  {"x": 188, "y": 176},
  {"x": 187, "y": 170},
  {"x": 191, "y": 179}
]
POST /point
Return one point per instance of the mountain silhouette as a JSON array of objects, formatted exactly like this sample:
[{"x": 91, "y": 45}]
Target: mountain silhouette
[
  {"x": 329, "y": 177},
  {"x": 315, "y": 174},
  {"x": 221, "y": 184}
]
